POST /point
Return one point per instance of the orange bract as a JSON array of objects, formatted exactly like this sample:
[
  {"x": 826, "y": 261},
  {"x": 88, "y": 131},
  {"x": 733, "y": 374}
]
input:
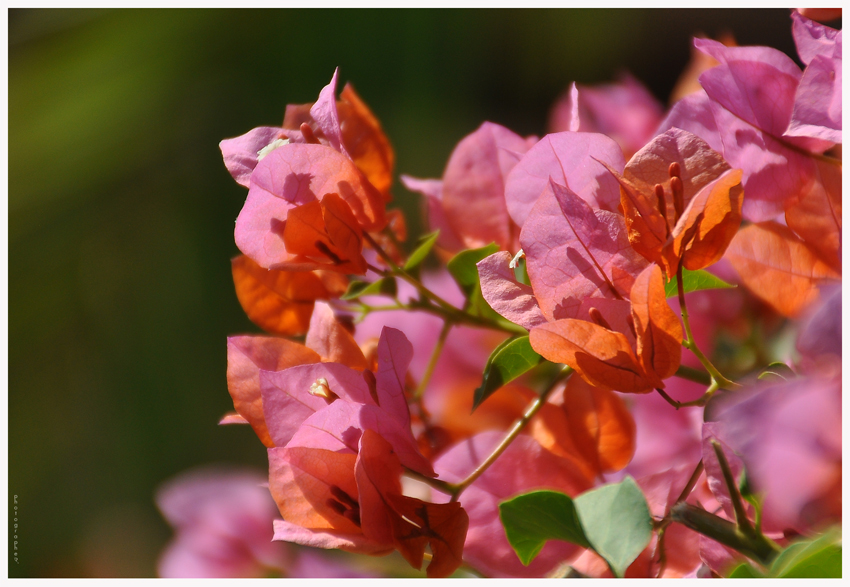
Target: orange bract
[
  {"x": 325, "y": 232},
  {"x": 588, "y": 425},
  {"x": 657, "y": 328},
  {"x": 681, "y": 201},
  {"x": 328, "y": 337},
  {"x": 605, "y": 358},
  {"x": 816, "y": 215},
  {"x": 602, "y": 357},
  {"x": 362, "y": 136},
  {"x": 602, "y": 426},
  {"x": 246, "y": 356},
  {"x": 365, "y": 141},
  {"x": 310, "y": 483},
  {"x": 281, "y": 302},
  {"x": 778, "y": 267}
]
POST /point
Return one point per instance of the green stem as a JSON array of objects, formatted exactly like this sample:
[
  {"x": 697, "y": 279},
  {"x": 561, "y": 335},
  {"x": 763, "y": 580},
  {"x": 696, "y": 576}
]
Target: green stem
[
  {"x": 737, "y": 503},
  {"x": 437, "y": 484},
  {"x": 694, "y": 375},
  {"x": 690, "y": 344},
  {"x": 438, "y": 305},
  {"x": 432, "y": 363},
  {"x": 532, "y": 410},
  {"x": 700, "y": 401},
  {"x": 662, "y": 525},
  {"x": 755, "y": 546}
]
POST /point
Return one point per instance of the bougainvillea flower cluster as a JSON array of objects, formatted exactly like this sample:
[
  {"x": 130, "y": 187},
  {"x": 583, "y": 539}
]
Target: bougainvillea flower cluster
[{"x": 617, "y": 352}]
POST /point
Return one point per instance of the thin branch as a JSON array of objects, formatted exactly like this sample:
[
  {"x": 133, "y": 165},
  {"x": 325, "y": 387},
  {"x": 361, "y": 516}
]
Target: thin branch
[
  {"x": 690, "y": 344},
  {"x": 432, "y": 363},
  {"x": 737, "y": 503},
  {"x": 513, "y": 433}
]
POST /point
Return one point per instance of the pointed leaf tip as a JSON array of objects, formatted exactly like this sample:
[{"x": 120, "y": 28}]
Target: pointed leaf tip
[{"x": 508, "y": 361}]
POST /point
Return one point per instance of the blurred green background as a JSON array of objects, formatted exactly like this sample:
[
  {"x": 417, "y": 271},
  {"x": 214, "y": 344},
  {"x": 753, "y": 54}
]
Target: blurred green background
[{"x": 121, "y": 214}]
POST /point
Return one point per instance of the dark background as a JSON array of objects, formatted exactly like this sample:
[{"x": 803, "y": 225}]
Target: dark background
[{"x": 121, "y": 214}]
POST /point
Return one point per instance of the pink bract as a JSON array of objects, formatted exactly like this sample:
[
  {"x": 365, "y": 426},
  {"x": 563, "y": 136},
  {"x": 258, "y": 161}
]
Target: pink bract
[
  {"x": 567, "y": 158},
  {"x": 623, "y": 110},
  {"x": 222, "y": 519},
  {"x": 789, "y": 438},
  {"x": 579, "y": 257}
]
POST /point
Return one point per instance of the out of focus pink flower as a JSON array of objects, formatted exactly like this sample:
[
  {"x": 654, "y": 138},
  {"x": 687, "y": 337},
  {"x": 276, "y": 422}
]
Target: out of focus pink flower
[
  {"x": 788, "y": 437},
  {"x": 819, "y": 339},
  {"x": 223, "y": 520},
  {"x": 624, "y": 110},
  {"x": 468, "y": 205},
  {"x": 223, "y": 524}
]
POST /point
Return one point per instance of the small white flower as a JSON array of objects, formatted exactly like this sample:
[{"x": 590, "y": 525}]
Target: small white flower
[
  {"x": 516, "y": 259},
  {"x": 271, "y": 147}
]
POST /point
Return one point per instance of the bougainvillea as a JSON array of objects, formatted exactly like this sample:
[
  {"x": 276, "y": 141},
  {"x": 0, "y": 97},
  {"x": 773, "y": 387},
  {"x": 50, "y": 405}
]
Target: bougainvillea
[{"x": 585, "y": 368}]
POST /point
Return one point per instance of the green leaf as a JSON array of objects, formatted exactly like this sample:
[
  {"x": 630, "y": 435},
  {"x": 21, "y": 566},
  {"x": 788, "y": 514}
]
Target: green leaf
[
  {"x": 816, "y": 557},
  {"x": 426, "y": 243},
  {"x": 695, "y": 281},
  {"x": 745, "y": 571},
  {"x": 385, "y": 286},
  {"x": 777, "y": 371},
  {"x": 463, "y": 269},
  {"x": 616, "y": 522},
  {"x": 521, "y": 272},
  {"x": 533, "y": 518},
  {"x": 508, "y": 361}
]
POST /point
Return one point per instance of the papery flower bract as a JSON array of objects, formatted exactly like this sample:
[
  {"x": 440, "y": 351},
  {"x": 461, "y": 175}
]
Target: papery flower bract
[
  {"x": 608, "y": 358},
  {"x": 471, "y": 198},
  {"x": 817, "y": 103},
  {"x": 578, "y": 258},
  {"x": 246, "y": 357},
  {"x": 564, "y": 158},
  {"x": 327, "y": 340},
  {"x": 308, "y": 201},
  {"x": 341, "y": 438},
  {"x": 681, "y": 201},
  {"x": 281, "y": 302},
  {"x": 590, "y": 426},
  {"x": 745, "y": 112},
  {"x": 768, "y": 254},
  {"x": 359, "y": 134},
  {"x": 623, "y": 110}
]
